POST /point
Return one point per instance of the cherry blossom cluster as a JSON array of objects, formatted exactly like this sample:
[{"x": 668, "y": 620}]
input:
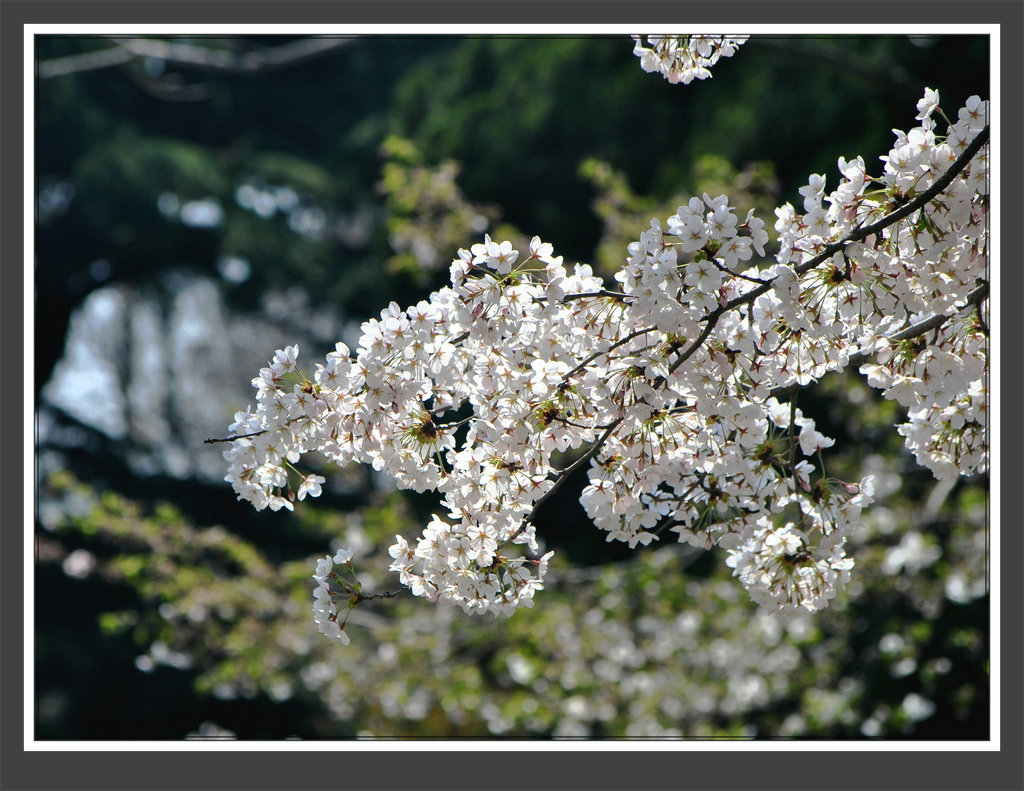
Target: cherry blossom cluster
[
  {"x": 931, "y": 265},
  {"x": 684, "y": 58},
  {"x": 325, "y": 608},
  {"x": 678, "y": 386}
]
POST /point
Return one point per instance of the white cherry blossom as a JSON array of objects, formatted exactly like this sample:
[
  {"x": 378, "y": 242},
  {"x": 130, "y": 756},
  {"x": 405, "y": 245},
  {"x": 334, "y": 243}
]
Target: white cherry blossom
[{"x": 673, "y": 384}]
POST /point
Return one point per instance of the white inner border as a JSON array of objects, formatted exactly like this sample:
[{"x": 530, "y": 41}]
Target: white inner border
[{"x": 392, "y": 745}]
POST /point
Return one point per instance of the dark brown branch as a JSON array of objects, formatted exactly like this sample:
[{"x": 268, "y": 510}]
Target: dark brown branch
[
  {"x": 358, "y": 598},
  {"x": 616, "y": 295},
  {"x": 563, "y": 474},
  {"x": 712, "y": 320},
  {"x": 234, "y": 437},
  {"x": 666, "y": 523}
]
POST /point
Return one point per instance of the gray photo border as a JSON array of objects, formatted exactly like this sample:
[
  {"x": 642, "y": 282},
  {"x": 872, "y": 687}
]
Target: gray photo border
[{"x": 514, "y": 768}]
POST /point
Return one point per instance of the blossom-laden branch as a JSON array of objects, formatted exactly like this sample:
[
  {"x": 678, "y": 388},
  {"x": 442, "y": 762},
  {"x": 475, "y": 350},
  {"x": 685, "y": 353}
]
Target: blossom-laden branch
[{"x": 668, "y": 386}]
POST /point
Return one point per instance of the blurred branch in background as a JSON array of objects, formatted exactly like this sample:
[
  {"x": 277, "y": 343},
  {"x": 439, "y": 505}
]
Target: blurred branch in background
[
  {"x": 887, "y": 73},
  {"x": 192, "y": 56},
  {"x": 86, "y": 61}
]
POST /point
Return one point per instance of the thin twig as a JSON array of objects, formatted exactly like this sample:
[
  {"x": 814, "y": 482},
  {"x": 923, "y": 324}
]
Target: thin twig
[
  {"x": 727, "y": 270},
  {"x": 361, "y": 597},
  {"x": 615, "y": 345},
  {"x": 580, "y": 425},
  {"x": 233, "y": 437},
  {"x": 666, "y": 523},
  {"x": 616, "y": 295}
]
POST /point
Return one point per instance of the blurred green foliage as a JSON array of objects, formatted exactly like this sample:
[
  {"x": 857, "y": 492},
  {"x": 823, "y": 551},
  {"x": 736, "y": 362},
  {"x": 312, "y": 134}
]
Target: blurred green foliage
[
  {"x": 625, "y": 215},
  {"x": 647, "y": 647},
  {"x": 428, "y": 216}
]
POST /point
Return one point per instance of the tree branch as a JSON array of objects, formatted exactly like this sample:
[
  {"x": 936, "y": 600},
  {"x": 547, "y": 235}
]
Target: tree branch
[
  {"x": 888, "y": 74},
  {"x": 192, "y": 56},
  {"x": 359, "y": 598},
  {"x": 712, "y": 319},
  {"x": 865, "y": 231},
  {"x": 854, "y": 236},
  {"x": 87, "y": 61},
  {"x": 233, "y": 437},
  {"x": 615, "y": 345},
  {"x": 975, "y": 298}
]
